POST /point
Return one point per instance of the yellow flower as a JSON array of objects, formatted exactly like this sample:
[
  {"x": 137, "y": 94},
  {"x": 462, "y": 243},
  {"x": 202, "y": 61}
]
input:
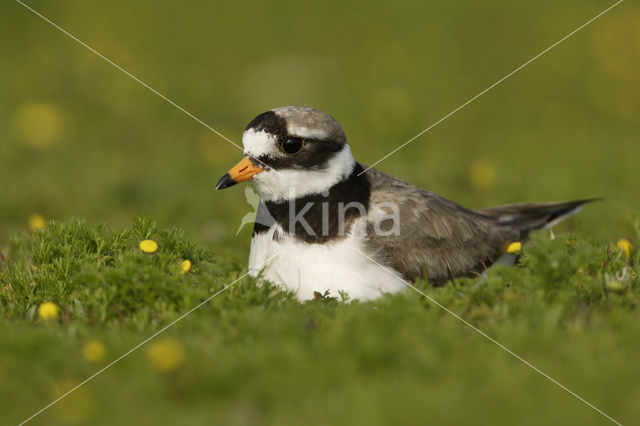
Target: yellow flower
[
  {"x": 166, "y": 355},
  {"x": 36, "y": 221},
  {"x": 482, "y": 175},
  {"x": 148, "y": 246},
  {"x": 39, "y": 124},
  {"x": 185, "y": 266},
  {"x": 514, "y": 248},
  {"x": 94, "y": 351},
  {"x": 47, "y": 311},
  {"x": 625, "y": 245}
]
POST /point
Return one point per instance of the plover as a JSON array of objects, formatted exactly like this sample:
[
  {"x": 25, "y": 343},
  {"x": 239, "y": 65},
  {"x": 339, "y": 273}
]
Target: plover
[{"x": 334, "y": 225}]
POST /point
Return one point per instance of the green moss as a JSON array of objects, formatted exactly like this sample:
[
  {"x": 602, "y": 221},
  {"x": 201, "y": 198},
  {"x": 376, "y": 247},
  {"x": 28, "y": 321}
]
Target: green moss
[
  {"x": 254, "y": 351},
  {"x": 97, "y": 275}
]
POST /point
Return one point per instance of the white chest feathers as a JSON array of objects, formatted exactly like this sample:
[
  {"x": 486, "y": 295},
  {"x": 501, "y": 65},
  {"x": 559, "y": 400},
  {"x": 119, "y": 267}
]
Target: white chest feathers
[{"x": 337, "y": 266}]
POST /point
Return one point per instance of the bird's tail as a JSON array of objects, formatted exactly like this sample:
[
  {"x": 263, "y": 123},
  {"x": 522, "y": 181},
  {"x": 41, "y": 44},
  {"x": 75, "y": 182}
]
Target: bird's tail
[{"x": 526, "y": 217}]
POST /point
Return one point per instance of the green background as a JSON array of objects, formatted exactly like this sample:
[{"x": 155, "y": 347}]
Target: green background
[{"x": 81, "y": 139}]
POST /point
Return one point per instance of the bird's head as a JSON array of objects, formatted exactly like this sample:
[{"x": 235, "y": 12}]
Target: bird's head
[{"x": 293, "y": 150}]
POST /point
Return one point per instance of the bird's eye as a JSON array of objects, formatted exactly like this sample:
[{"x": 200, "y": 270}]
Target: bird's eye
[{"x": 292, "y": 146}]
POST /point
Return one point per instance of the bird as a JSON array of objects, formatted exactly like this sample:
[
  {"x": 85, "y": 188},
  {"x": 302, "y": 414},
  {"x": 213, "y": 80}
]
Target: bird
[{"x": 328, "y": 225}]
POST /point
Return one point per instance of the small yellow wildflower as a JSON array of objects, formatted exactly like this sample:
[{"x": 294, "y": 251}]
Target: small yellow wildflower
[
  {"x": 625, "y": 245},
  {"x": 514, "y": 248},
  {"x": 185, "y": 266},
  {"x": 36, "y": 221},
  {"x": 166, "y": 355},
  {"x": 148, "y": 246},
  {"x": 482, "y": 175},
  {"x": 47, "y": 311},
  {"x": 39, "y": 124},
  {"x": 94, "y": 351}
]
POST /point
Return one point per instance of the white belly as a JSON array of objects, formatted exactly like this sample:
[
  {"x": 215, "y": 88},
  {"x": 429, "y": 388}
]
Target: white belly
[{"x": 305, "y": 268}]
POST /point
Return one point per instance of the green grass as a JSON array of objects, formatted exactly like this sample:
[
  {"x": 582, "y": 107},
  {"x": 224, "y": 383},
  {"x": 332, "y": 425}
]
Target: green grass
[
  {"x": 255, "y": 355},
  {"x": 82, "y": 140}
]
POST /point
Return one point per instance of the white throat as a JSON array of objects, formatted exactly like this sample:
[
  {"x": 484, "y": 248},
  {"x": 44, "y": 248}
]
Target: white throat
[{"x": 280, "y": 185}]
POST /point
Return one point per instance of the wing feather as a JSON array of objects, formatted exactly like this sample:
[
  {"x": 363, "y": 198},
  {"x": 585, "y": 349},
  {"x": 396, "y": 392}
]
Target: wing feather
[{"x": 436, "y": 238}]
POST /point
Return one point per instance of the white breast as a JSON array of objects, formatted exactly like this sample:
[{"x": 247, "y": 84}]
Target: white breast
[{"x": 305, "y": 268}]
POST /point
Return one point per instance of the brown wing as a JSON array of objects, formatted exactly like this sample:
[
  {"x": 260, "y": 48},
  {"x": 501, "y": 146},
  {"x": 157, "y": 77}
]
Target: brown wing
[{"x": 437, "y": 237}]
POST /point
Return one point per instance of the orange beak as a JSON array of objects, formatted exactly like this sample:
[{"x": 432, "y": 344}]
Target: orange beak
[{"x": 241, "y": 172}]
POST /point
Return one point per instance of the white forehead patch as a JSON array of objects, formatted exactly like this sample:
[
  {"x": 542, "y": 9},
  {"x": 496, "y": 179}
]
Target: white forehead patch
[
  {"x": 307, "y": 132},
  {"x": 259, "y": 143}
]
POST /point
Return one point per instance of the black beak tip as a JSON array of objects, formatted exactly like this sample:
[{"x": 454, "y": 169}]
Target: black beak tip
[{"x": 225, "y": 182}]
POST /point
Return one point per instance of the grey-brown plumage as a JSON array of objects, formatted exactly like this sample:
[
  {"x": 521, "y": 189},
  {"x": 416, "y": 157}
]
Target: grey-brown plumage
[
  {"x": 441, "y": 240},
  {"x": 297, "y": 117}
]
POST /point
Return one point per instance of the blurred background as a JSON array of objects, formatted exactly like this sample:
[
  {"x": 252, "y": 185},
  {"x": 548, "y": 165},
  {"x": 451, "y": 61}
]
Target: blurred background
[{"x": 82, "y": 139}]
